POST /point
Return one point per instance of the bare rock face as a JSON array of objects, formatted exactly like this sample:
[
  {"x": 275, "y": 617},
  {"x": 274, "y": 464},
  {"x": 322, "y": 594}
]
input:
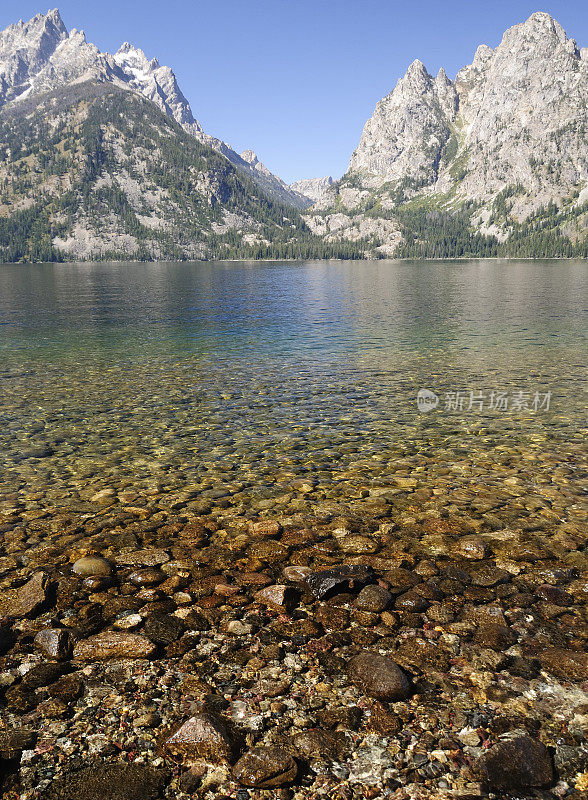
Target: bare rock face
[
  {"x": 41, "y": 55},
  {"x": 313, "y": 188},
  {"x": 404, "y": 137},
  {"x": 509, "y": 134}
]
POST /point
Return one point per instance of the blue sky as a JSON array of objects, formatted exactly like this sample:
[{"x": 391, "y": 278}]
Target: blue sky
[{"x": 295, "y": 80}]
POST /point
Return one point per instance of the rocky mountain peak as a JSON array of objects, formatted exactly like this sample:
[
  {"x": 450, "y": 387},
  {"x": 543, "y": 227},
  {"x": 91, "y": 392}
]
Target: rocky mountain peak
[{"x": 250, "y": 156}]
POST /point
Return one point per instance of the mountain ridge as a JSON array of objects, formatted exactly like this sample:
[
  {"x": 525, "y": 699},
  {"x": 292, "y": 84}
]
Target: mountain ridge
[
  {"x": 492, "y": 163},
  {"x": 41, "y": 54}
]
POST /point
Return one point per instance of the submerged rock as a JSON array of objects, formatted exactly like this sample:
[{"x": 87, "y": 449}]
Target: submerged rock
[
  {"x": 203, "y": 736},
  {"x": 26, "y": 600},
  {"x": 55, "y": 643},
  {"x": 516, "y": 764},
  {"x": 113, "y": 644},
  {"x": 112, "y": 781},
  {"x": 320, "y": 583},
  {"x": 94, "y": 566},
  {"x": 265, "y": 768},
  {"x": 379, "y": 677}
]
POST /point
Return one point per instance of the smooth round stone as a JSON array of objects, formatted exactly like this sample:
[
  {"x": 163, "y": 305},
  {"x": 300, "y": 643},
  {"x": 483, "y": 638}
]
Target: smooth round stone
[
  {"x": 379, "y": 677},
  {"x": 373, "y": 598},
  {"x": 92, "y": 566},
  {"x": 411, "y": 601},
  {"x": 150, "y": 576}
]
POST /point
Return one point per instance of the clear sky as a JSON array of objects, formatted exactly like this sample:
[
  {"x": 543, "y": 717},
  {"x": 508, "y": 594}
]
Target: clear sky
[{"x": 295, "y": 80}]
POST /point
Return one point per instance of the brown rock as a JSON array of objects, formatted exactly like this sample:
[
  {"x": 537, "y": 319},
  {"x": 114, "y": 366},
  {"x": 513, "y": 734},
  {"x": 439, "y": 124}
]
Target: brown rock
[
  {"x": 471, "y": 547},
  {"x": 554, "y": 595},
  {"x": 26, "y": 600},
  {"x": 265, "y": 768},
  {"x": 203, "y": 736},
  {"x": 264, "y": 527},
  {"x": 13, "y": 742},
  {"x": 495, "y": 636},
  {"x": 112, "y": 781},
  {"x": 313, "y": 745},
  {"x": 279, "y": 597},
  {"x": 379, "y": 677},
  {"x": 373, "y": 598},
  {"x": 148, "y": 576},
  {"x": 67, "y": 688},
  {"x": 55, "y": 643},
  {"x": 383, "y": 721},
  {"x": 142, "y": 558},
  {"x": 94, "y": 566},
  {"x": 566, "y": 664},
  {"x": 113, "y": 644},
  {"x": 516, "y": 764},
  {"x": 412, "y": 602}
]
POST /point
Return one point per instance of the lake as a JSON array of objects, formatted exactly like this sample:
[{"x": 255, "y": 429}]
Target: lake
[{"x": 237, "y": 379}]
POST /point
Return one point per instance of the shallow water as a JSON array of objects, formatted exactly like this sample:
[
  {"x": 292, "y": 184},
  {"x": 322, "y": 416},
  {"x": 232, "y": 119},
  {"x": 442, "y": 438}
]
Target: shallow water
[{"x": 217, "y": 386}]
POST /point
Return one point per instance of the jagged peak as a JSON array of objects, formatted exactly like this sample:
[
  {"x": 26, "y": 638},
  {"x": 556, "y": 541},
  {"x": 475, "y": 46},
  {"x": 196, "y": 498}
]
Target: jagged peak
[
  {"x": 250, "y": 156},
  {"x": 539, "y": 23},
  {"x": 417, "y": 68},
  {"x": 442, "y": 78}
]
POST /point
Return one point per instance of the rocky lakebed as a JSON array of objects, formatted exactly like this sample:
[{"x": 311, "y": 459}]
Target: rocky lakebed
[{"x": 394, "y": 647}]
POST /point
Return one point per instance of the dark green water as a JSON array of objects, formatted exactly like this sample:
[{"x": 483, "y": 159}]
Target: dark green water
[{"x": 236, "y": 379}]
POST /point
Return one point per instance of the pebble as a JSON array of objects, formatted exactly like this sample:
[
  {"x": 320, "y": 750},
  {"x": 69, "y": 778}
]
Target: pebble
[
  {"x": 148, "y": 576},
  {"x": 54, "y": 643},
  {"x": 265, "y": 768},
  {"x": 379, "y": 677},
  {"x": 92, "y": 566},
  {"x": 279, "y": 597},
  {"x": 373, "y": 598},
  {"x": 471, "y": 547},
  {"x": 163, "y": 628}
]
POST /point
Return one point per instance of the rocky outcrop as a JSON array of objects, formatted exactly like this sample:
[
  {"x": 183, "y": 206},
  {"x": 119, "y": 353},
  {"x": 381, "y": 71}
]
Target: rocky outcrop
[
  {"x": 313, "y": 188},
  {"x": 507, "y": 138}
]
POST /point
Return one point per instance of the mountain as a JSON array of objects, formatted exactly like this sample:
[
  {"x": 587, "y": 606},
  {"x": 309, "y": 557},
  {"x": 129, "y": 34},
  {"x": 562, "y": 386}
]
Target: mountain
[
  {"x": 493, "y": 162},
  {"x": 313, "y": 188},
  {"x": 41, "y": 55}
]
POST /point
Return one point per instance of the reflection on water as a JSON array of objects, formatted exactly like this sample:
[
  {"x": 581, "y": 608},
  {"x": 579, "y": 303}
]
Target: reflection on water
[{"x": 237, "y": 378}]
